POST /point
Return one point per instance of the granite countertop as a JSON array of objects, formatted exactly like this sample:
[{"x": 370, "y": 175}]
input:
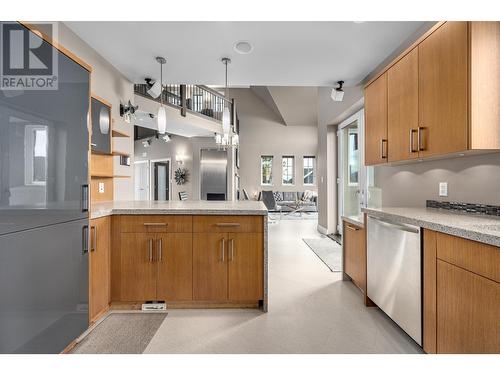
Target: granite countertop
[
  {"x": 355, "y": 220},
  {"x": 177, "y": 208},
  {"x": 481, "y": 228}
]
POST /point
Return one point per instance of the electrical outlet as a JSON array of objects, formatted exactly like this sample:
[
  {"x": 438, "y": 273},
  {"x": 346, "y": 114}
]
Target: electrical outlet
[
  {"x": 101, "y": 187},
  {"x": 443, "y": 189}
]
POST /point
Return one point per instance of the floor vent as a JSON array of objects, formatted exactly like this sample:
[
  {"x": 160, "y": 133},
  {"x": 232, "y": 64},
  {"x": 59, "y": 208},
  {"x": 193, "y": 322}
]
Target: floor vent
[{"x": 154, "y": 306}]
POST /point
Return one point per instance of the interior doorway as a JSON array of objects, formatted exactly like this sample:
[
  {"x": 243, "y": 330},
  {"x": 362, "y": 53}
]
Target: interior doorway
[{"x": 161, "y": 179}]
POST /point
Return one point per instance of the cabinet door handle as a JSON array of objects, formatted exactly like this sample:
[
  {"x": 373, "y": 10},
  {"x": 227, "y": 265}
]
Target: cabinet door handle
[
  {"x": 383, "y": 154},
  {"x": 412, "y": 141},
  {"x": 150, "y": 243},
  {"x": 421, "y": 146},
  {"x": 160, "y": 246},
  {"x": 228, "y": 224},
  {"x": 155, "y": 224},
  {"x": 223, "y": 246},
  {"x": 94, "y": 238},
  {"x": 231, "y": 249},
  {"x": 351, "y": 227}
]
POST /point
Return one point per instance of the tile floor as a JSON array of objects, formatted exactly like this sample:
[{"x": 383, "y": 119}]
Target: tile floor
[{"x": 310, "y": 311}]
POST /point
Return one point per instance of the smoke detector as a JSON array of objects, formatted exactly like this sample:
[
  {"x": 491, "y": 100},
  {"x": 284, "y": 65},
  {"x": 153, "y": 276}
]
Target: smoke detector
[{"x": 338, "y": 93}]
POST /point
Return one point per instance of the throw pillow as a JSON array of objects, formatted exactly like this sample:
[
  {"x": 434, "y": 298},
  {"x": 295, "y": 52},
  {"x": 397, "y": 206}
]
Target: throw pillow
[{"x": 278, "y": 197}]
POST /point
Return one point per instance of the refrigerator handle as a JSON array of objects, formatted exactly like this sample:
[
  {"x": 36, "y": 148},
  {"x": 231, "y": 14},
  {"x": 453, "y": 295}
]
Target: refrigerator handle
[
  {"x": 85, "y": 239},
  {"x": 85, "y": 198}
]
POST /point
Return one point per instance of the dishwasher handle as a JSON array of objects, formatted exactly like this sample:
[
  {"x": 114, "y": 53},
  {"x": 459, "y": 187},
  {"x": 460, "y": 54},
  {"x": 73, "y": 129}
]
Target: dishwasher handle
[{"x": 400, "y": 226}]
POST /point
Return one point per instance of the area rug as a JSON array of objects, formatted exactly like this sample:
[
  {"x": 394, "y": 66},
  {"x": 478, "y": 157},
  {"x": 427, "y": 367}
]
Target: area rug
[
  {"x": 328, "y": 251},
  {"x": 121, "y": 333}
]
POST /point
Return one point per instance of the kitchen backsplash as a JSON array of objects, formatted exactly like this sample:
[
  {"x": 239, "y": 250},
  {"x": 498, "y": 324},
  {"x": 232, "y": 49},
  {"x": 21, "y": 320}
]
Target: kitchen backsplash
[{"x": 465, "y": 207}]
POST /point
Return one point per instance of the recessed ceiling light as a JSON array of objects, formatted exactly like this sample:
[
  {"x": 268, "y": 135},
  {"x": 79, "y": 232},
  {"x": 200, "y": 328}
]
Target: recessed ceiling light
[{"x": 243, "y": 47}]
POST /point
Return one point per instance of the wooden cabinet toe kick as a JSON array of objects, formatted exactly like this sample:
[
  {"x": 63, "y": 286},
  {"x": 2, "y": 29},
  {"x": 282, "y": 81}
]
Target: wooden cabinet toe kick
[{"x": 192, "y": 305}]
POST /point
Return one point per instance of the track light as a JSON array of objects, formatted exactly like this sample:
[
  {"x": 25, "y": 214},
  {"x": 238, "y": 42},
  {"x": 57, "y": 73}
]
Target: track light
[{"x": 338, "y": 93}]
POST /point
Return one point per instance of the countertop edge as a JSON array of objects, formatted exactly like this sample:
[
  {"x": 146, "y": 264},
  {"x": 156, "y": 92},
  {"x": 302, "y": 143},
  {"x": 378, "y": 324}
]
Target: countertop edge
[
  {"x": 187, "y": 211},
  {"x": 474, "y": 235},
  {"x": 353, "y": 221}
]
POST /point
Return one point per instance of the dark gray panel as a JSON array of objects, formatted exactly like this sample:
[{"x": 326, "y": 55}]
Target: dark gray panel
[
  {"x": 43, "y": 151},
  {"x": 43, "y": 288},
  {"x": 101, "y": 142}
]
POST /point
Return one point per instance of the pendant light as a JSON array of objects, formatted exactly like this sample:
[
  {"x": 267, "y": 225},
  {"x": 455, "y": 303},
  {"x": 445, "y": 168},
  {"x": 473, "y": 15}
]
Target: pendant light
[
  {"x": 162, "y": 113},
  {"x": 226, "y": 115}
]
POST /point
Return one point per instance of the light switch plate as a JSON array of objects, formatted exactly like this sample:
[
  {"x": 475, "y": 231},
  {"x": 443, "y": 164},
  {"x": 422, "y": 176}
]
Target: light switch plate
[
  {"x": 443, "y": 189},
  {"x": 101, "y": 187}
]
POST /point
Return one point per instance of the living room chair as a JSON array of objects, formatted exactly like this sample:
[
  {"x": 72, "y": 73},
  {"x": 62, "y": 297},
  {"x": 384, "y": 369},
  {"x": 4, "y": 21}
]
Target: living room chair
[
  {"x": 246, "y": 197},
  {"x": 270, "y": 202}
]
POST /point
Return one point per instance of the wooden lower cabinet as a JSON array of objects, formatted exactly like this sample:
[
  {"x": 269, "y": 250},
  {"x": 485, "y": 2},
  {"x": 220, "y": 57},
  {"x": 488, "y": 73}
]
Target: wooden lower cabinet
[
  {"x": 138, "y": 269},
  {"x": 166, "y": 258},
  {"x": 209, "y": 266},
  {"x": 245, "y": 267},
  {"x": 468, "y": 311},
  {"x": 175, "y": 267},
  {"x": 461, "y": 295},
  {"x": 228, "y": 267},
  {"x": 99, "y": 258},
  {"x": 354, "y": 245}
]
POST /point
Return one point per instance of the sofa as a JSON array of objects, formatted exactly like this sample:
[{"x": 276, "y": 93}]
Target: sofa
[{"x": 287, "y": 200}]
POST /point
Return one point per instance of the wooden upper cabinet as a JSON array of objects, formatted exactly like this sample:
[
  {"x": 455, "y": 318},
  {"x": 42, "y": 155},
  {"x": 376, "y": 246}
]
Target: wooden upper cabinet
[
  {"x": 485, "y": 85},
  {"x": 376, "y": 121},
  {"x": 441, "y": 96},
  {"x": 402, "y": 108},
  {"x": 443, "y": 90}
]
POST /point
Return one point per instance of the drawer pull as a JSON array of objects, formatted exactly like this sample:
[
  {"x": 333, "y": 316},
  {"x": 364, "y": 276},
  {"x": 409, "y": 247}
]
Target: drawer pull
[
  {"x": 351, "y": 227},
  {"x": 231, "y": 248},
  {"x": 228, "y": 224},
  {"x": 155, "y": 224},
  {"x": 150, "y": 243},
  {"x": 160, "y": 246}
]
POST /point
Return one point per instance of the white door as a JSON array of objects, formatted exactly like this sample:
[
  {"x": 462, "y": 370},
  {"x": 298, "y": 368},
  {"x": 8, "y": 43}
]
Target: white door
[{"x": 141, "y": 180}]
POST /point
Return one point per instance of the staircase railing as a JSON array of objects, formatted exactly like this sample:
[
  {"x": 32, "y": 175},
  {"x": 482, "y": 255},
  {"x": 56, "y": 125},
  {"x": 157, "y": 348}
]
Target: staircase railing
[{"x": 196, "y": 99}]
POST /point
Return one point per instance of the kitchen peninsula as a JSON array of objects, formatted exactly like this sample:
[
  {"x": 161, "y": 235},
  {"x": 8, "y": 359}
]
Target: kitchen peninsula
[{"x": 193, "y": 254}]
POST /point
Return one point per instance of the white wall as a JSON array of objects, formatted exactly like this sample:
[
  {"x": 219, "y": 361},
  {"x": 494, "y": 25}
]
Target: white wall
[
  {"x": 108, "y": 83},
  {"x": 262, "y": 133}
]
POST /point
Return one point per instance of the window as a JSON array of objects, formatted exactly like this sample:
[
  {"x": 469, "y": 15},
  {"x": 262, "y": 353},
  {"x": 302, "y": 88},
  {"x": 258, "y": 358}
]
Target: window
[
  {"x": 288, "y": 169},
  {"x": 309, "y": 170},
  {"x": 353, "y": 157},
  {"x": 35, "y": 150},
  {"x": 266, "y": 170}
]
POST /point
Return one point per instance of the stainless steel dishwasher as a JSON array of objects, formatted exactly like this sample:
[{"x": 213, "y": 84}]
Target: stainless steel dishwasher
[{"x": 394, "y": 279}]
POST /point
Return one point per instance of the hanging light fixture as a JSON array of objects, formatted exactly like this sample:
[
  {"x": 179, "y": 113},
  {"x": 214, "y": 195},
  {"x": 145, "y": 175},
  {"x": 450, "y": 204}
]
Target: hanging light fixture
[
  {"x": 162, "y": 112},
  {"x": 226, "y": 115},
  {"x": 228, "y": 138}
]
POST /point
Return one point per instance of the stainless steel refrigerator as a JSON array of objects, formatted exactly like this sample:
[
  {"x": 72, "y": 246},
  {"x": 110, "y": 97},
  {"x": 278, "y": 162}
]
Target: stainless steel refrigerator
[{"x": 44, "y": 218}]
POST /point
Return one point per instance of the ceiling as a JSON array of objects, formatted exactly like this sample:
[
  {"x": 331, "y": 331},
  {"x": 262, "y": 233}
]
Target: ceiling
[{"x": 284, "y": 53}]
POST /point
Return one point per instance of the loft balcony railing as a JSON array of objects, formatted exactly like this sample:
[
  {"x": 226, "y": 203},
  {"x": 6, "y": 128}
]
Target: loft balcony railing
[{"x": 196, "y": 99}]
